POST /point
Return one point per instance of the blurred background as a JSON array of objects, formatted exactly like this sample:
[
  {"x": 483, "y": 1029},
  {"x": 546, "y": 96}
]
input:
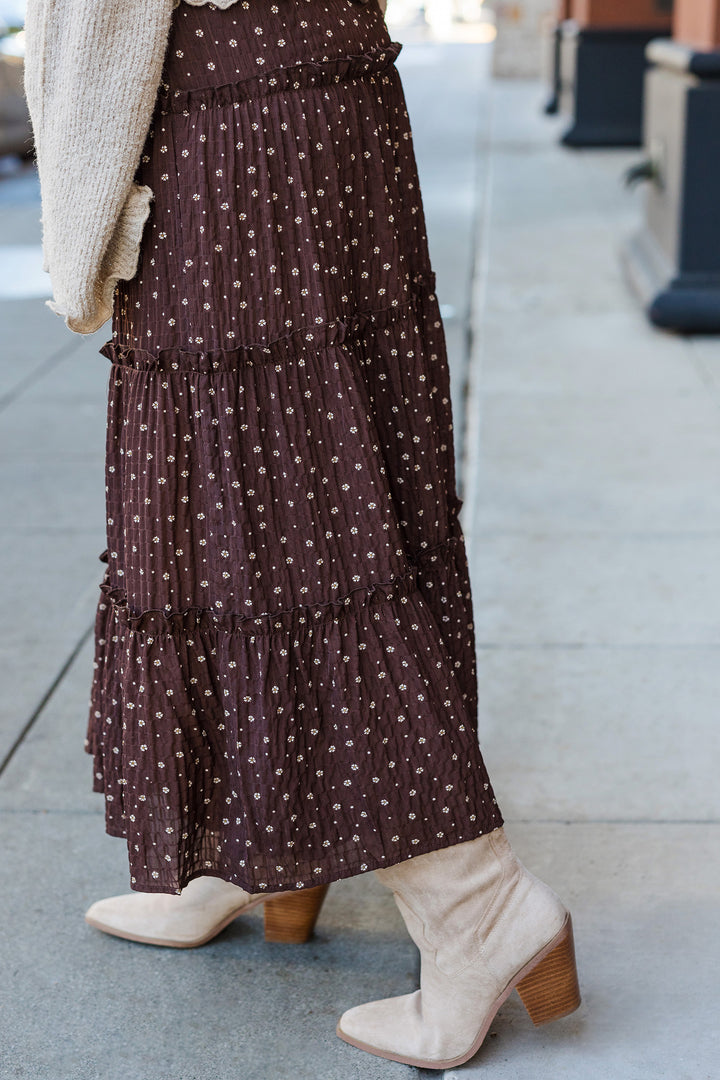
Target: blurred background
[
  {"x": 569, "y": 159},
  {"x": 442, "y": 20}
]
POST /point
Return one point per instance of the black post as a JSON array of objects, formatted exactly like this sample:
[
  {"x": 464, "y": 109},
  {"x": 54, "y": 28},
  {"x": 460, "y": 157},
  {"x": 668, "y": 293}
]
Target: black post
[
  {"x": 673, "y": 263},
  {"x": 608, "y": 69}
]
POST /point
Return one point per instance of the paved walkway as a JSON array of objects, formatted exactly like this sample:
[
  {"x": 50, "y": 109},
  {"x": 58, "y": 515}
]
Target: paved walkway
[
  {"x": 591, "y": 449},
  {"x": 592, "y": 486}
]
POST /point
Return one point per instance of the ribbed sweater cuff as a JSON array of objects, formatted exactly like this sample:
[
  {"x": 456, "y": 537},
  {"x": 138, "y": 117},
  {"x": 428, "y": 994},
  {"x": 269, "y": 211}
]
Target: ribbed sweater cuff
[{"x": 119, "y": 264}]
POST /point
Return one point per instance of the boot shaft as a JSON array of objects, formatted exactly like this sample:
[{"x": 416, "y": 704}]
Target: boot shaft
[{"x": 456, "y": 903}]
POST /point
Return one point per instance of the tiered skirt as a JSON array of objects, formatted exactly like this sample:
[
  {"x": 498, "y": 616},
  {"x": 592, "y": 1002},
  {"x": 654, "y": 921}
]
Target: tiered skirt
[{"x": 285, "y": 687}]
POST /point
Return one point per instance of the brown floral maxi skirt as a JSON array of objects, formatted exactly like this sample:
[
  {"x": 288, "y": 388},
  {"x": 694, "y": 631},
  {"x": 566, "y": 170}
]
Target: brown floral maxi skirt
[{"x": 284, "y": 691}]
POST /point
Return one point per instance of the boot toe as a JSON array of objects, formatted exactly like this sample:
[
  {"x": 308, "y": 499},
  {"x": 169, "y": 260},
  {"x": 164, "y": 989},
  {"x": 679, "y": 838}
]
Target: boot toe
[
  {"x": 110, "y": 911},
  {"x": 395, "y": 1028},
  {"x": 122, "y": 917},
  {"x": 391, "y": 1026},
  {"x": 365, "y": 1024},
  {"x": 152, "y": 919}
]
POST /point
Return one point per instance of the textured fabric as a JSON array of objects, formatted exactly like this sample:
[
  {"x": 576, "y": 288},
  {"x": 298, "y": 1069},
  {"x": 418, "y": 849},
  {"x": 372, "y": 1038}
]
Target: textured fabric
[
  {"x": 285, "y": 684},
  {"x": 91, "y": 75}
]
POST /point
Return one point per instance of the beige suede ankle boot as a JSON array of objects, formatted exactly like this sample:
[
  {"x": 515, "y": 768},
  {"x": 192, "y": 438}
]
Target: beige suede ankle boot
[
  {"x": 204, "y": 907},
  {"x": 484, "y": 926}
]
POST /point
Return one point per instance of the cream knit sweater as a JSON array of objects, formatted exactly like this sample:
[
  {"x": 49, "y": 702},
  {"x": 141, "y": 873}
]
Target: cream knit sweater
[{"x": 92, "y": 73}]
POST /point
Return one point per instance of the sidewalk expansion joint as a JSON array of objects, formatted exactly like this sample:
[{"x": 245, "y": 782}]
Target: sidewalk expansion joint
[
  {"x": 46, "y": 698},
  {"x": 612, "y": 646}
]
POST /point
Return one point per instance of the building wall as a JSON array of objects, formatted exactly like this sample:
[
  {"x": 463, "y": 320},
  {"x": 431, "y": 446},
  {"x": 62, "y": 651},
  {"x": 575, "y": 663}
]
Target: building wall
[
  {"x": 623, "y": 13},
  {"x": 697, "y": 23}
]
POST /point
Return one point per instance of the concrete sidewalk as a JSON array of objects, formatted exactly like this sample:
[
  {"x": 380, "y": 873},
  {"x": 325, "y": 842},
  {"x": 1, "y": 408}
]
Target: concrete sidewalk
[
  {"x": 591, "y": 454},
  {"x": 592, "y": 486}
]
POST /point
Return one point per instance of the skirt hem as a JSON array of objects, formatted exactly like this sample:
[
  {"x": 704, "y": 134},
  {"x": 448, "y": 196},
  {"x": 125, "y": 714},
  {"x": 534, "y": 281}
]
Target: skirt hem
[{"x": 328, "y": 875}]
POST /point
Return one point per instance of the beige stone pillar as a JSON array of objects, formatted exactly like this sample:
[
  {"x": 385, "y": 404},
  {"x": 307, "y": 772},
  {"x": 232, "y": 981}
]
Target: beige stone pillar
[
  {"x": 697, "y": 23},
  {"x": 521, "y": 35}
]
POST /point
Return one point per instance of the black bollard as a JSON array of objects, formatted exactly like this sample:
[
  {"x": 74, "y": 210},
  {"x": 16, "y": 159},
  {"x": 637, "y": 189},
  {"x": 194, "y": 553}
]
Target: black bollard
[
  {"x": 602, "y": 68},
  {"x": 673, "y": 262}
]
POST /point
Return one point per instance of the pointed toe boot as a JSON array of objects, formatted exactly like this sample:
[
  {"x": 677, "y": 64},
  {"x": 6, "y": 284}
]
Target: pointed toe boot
[
  {"x": 201, "y": 911},
  {"x": 484, "y": 926}
]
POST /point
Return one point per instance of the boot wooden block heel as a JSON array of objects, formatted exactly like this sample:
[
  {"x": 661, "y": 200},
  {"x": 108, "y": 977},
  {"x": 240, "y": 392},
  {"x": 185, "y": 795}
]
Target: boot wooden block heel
[
  {"x": 291, "y": 917},
  {"x": 550, "y": 990}
]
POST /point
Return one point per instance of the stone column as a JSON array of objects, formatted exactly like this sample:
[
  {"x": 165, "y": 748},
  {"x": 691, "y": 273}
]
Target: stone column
[{"x": 518, "y": 50}]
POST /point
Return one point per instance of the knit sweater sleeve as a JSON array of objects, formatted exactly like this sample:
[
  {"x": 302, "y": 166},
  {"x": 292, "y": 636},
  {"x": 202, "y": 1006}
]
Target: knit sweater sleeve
[{"x": 92, "y": 71}]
